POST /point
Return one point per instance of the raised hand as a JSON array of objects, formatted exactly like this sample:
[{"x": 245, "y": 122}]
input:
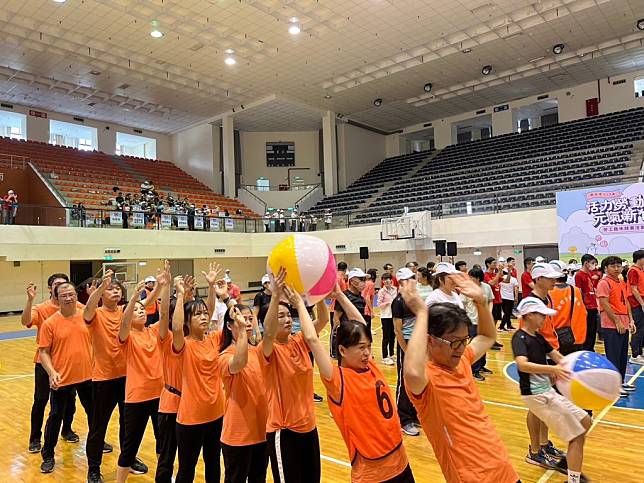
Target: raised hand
[
  {"x": 410, "y": 295},
  {"x": 214, "y": 270},
  {"x": 189, "y": 282},
  {"x": 107, "y": 280},
  {"x": 32, "y": 290},
  {"x": 277, "y": 283},
  {"x": 468, "y": 287},
  {"x": 91, "y": 288},
  {"x": 336, "y": 291},
  {"x": 292, "y": 296},
  {"x": 221, "y": 289},
  {"x": 179, "y": 285},
  {"x": 239, "y": 325},
  {"x": 138, "y": 290},
  {"x": 163, "y": 278}
]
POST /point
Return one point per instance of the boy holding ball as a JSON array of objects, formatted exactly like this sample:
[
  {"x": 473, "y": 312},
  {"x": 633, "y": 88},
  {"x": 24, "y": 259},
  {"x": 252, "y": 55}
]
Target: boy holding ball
[{"x": 570, "y": 422}]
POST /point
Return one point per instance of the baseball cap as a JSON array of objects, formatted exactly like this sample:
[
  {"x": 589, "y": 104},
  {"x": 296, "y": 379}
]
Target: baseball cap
[
  {"x": 150, "y": 279},
  {"x": 539, "y": 259},
  {"x": 501, "y": 260},
  {"x": 227, "y": 279},
  {"x": 444, "y": 267},
  {"x": 531, "y": 305},
  {"x": 544, "y": 270},
  {"x": 266, "y": 279},
  {"x": 559, "y": 265},
  {"x": 405, "y": 274},
  {"x": 356, "y": 272}
]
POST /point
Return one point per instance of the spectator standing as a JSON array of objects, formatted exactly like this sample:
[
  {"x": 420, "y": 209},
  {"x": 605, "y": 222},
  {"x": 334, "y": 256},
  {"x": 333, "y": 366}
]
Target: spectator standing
[
  {"x": 9, "y": 208},
  {"x": 389, "y": 268},
  {"x": 635, "y": 280},
  {"x": 386, "y": 296},
  {"x": 526, "y": 279},
  {"x": 328, "y": 219},
  {"x": 369, "y": 293},
  {"x": 424, "y": 282},
  {"x": 587, "y": 280},
  {"x": 493, "y": 275},
  {"x": 509, "y": 293},
  {"x": 262, "y": 298},
  {"x": 461, "y": 266},
  {"x": 444, "y": 286},
  {"x": 476, "y": 274},
  {"x": 233, "y": 290}
]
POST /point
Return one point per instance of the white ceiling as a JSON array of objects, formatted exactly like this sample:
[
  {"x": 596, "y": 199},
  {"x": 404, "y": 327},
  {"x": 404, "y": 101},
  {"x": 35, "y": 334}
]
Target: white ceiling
[
  {"x": 277, "y": 114},
  {"x": 353, "y": 50}
]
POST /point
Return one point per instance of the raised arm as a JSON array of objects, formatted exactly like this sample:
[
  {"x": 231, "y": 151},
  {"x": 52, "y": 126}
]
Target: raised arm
[
  {"x": 416, "y": 353},
  {"x": 486, "y": 331},
  {"x": 271, "y": 323},
  {"x": 164, "y": 309},
  {"x": 240, "y": 359},
  {"x": 126, "y": 321},
  {"x": 320, "y": 354},
  {"x": 322, "y": 316},
  {"x": 347, "y": 307},
  {"x": 214, "y": 270},
  {"x": 95, "y": 294},
  {"x": 152, "y": 296},
  {"x": 178, "y": 339},
  {"x": 25, "y": 319}
]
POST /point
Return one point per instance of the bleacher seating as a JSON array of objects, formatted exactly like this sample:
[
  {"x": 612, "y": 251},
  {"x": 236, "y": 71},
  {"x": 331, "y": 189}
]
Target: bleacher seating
[
  {"x": 89, "y": 176},
  {"x": 390, "y": 170},
  {"x": 515, "y": 171}
]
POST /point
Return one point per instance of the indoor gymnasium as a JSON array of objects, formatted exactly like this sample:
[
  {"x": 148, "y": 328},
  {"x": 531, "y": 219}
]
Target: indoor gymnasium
[{"x": 304, "y": 241}]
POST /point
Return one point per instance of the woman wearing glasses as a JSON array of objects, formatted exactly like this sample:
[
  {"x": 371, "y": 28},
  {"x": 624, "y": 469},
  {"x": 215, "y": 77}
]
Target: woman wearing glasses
[{"x": 438, "y": 379}]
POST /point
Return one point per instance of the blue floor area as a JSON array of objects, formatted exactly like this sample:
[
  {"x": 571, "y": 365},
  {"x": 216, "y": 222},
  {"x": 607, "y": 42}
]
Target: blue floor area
[
  {"x": 634, "y": 401},
  {"x": 18, "y": 334}
]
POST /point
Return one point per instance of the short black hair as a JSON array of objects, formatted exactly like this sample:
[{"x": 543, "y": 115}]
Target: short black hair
[
  {"x": 373, "y": 273},
  {"x": 349, "y": 333},
  {"x": 58, "y": 287},
  {"x": 459, "y": 264},
  {"x": 384, "y": 267},
  {"x": 227, "y": 334},
  {"x": 445, "y": 318},
  {"x": 411, "y": 264},
  {"x": 386, "y": 276},
  {"x": 637, "y": 255},
  {"x": 611, "y": 260},
  {"x": 425, "y": 273},
  {"x": 342, "y": 266},
  {"x": 588, "y": 258},
  {"x": 50, "y": 280},
  {"x": 431, "y": 265},
  {"x": 510, "y": 259},
  {"x": 488, "y": 261},
  {"x": 477, "y": 273},
  {"x": 527, "y": 261}
]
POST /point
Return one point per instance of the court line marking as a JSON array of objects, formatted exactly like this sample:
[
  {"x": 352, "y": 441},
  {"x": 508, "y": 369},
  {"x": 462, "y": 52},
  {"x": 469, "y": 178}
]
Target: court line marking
[
  {"x": 333, "y": 460},
  {"x": 12, "y": 377},
  {"x": 548, "y": 474}
]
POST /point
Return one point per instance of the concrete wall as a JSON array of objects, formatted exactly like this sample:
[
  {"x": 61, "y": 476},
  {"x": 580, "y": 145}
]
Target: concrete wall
[
  {"x": 193, "y": 150},
  {"x": 359, "y": 150},
  {"x": 253, "y": 156}
]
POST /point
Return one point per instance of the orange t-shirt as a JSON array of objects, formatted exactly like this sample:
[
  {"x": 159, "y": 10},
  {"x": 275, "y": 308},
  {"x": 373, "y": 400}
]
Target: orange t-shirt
[
  {"x": 246, "y": 410},
  {"x": 202, "y": 395},
  {"x": 70, "y": 348},
  {"x": 40, "y": 313},
  {"x": 172, "y": 365},
  {"x": 144, "y": 380},
  {"x": 341, "y": 278},
  {"x": 109, "y": 359},
  {"x": 365, "y": 412},
  {"x": 288, "y": 376},
  {"x": 466, "y": 444}
]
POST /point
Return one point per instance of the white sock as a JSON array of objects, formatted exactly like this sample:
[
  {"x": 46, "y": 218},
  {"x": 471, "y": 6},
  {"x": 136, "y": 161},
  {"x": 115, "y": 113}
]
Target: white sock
[{"x": 574, "y": 476}]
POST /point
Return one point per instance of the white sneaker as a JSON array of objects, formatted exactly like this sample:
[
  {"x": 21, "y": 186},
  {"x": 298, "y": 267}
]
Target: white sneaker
[
  {"x": 389, "y": 361},
  {"x": 637, "y": 360}
]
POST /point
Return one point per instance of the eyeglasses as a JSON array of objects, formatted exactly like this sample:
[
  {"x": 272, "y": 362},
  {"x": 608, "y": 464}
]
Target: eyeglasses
[{"x": 454, "y": 344}]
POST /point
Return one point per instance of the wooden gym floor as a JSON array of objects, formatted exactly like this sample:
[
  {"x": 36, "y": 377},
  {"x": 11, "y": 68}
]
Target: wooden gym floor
[{"x": 613, "y": 448}]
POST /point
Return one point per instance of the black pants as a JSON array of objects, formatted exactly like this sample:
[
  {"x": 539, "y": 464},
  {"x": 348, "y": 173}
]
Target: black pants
[
  {"x": 106, "y": 395},
  {"x": 506, "y": 306},
  {"x": 245, "y": 463},
  {"x": 496, "y": 311},
  {"x": 405, "y": 477},
  {"x": 367, "y": 319},
  {"x": 168, "y": 442},
  {"x": 637, "y": 339},
  {"x": 591, "y": 329},
  {"x": 616, "y": 346},
  {"x": 190, "y": 440},
  {"x": 388, "y": 337},
  {"x": 333, "y": 350},
  {"x": 406, "y": 410},
  {"x": 41, "y": 396},
  {"x": 59, "y": 400},
  {"x": 136, "y": 419},
  {"x": 480, "y": 364},
  {"x": 295, "y": 457}
]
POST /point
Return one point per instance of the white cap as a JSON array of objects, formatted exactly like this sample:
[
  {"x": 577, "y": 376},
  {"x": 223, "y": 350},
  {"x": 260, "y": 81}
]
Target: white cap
[
  {"x": 530, "y": 305},
  {"x": 559, "y": 265},
  {"x": 444, "y": 267},
  {"x": 227, "y": 279},
  {"x": 266, "y": 279},
  {"x": 539, "y": 259},
  {"x": 150, "y": 279},
  {"x": 544, "y": 270},
  {"x": 405, "y": 274},
  {"x": 501, "y": 260},
  {"x": 356, "y": 272}
]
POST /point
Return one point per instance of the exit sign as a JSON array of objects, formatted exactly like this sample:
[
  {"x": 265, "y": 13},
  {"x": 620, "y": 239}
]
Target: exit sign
[
  {"x": 38, "y": 114},
  {"x": 108, "y": 258}
]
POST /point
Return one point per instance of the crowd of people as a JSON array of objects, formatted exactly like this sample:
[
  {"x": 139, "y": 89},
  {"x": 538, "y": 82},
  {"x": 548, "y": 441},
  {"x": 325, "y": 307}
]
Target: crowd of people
[
  {"x": 280, "y": 220},
  {"x": 218, "y": 377}
]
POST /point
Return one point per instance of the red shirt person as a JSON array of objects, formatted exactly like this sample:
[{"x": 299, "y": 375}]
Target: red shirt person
[
  {"x": 527, "y": 284},
  {"x": 586, "y": 280}
]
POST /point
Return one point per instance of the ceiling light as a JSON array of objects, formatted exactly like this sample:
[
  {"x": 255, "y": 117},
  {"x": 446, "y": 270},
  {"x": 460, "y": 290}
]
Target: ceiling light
[
  {"x": 377, "y": 102},
  {"x": 640, "y": 24},
  {"x": 95, "y": 72},
  {"x": 477, "y": 252},
  {"x": 60, "y": 1},
  {"x": 229, "y": 51},
  {"x": 230, "y": 60},
  {"x": 467, "y": 50},
  {"x": 486, "y": 70},
  {"x": 428, "y": 87},
  {"x": 155, "y": 32},
  {"x": 328, "y": 96},
  {"x": 294, "y": 29},
  {"x": 558, "y": 49}
]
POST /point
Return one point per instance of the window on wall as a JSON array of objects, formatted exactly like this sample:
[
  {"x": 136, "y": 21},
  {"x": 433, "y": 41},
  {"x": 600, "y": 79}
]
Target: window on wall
[
  {"x": 132, "y": 145},
  {"x": 13, "y": 125},
  {"x": 73, "y": 135},
  {"x": 639, "y": 87}
]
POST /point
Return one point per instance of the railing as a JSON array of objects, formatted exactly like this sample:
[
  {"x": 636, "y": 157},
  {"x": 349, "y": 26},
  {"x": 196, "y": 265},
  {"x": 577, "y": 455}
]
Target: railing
[
  {"x": 281, "y": 187},
  {"x": 12, "y": 161}
]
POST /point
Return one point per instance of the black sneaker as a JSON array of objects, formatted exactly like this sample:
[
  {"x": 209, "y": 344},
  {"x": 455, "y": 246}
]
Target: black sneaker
[
  {"x": 561, "y": 466},
  {"x": 317, "y": 398},
  {"x": 94, "y": 476},
  {"x": 139, "y": 467},
  {"x": 107, "y": 448},
  {"x": 478, "y": 376},
  {"x": 47, "y": 465},
  {"x": 35, "y": 446},
  {"x": 552, "y": 451},
  {"x": 485, "y": 370},
  {"x": 70, "y": 436}
]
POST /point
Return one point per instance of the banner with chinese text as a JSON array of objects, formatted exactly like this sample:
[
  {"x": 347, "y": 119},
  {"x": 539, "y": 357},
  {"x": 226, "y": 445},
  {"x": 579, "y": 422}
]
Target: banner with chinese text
[{"x": 602, "y": 221}]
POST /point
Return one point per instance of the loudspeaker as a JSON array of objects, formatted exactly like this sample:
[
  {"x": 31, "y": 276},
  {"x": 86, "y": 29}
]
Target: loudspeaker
[
  {"x": 364, "y": 253},
  {"x": 451, "y": 249},
  {"x": 440, "y": 248}
]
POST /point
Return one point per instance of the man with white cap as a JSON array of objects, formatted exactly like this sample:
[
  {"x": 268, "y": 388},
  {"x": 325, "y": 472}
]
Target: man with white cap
[
  {"x": 404, "y": 323},
  {"x": 233, "y": 290},
  {"x": 546, "y": 406},
  {"x": 262, "y": 298},
  {"x": 356, "y": 279},
  {"x": 444, "y": 286}
]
